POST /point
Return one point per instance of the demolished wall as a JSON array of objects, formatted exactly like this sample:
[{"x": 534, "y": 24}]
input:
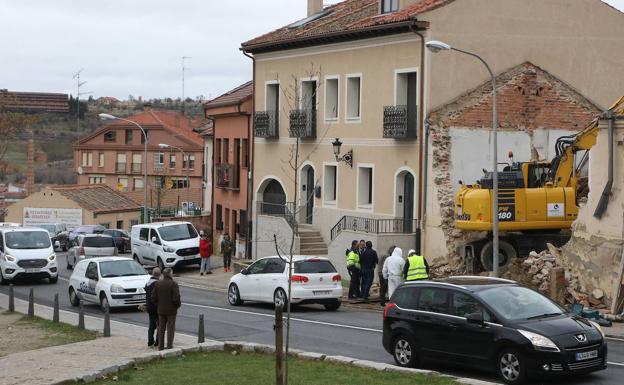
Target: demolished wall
[
  {"x": 534, "y": 109},
  {"x": 595, "y": 249}
]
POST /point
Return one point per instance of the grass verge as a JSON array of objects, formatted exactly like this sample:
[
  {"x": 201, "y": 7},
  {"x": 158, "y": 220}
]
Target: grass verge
[
  {"x": 58, "y": 333},
  {"x": 252, "y": 369}
]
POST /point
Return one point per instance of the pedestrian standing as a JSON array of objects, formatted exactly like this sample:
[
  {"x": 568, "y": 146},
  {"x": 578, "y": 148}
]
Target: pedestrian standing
[
  {"x": 416, "y": 267},
  {"x": 393, "y": 270},
  {"x": 361, "y": 248},
  {"x": 150, "y": 307},
  {"x": 383, "y": 282},
  {"x": 205, "y": 250},
  {"x": 353, "y": 267},
  {"x": 226, "y": 251},
  {"x": 368, "y": 261},
  {"x": 166, "y": 297}
]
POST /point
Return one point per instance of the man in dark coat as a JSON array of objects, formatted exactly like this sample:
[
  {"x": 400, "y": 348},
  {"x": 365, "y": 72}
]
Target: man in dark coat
[
  {"x": 368, "y": 261},
  {"x": 150, "y": 307},
  {"x": 166, "y": 297}
]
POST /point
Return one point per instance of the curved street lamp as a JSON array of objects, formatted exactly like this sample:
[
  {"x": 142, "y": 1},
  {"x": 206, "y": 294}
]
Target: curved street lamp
[
  {"x": 347, "y": 158},
  {"x": 437, "y": 46},
  {"x": 112, "y": 117}
]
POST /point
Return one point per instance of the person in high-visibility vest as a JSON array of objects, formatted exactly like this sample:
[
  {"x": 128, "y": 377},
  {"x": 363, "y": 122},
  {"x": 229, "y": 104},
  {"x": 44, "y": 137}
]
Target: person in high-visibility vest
[
  {"x": 416, "y": 267},
  {"x": 354, "y": 268}
]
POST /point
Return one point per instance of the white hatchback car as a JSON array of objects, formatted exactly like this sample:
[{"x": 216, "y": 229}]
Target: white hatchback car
[
  {"x": 314, "y": 280},
  {"x": 109, "y": 282}
]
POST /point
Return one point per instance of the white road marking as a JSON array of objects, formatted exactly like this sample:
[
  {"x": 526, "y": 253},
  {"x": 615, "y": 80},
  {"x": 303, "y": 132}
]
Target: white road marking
[
  {"x": 292, "y": 319},
  {"x": 615, "y": 363},
  {"x": 615, "y": 339}
]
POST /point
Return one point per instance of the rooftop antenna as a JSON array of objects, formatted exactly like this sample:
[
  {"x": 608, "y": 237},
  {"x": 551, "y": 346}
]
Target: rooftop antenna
[
  {"x": 183, "y": 70},
  {"x": 79, "y": 84}
]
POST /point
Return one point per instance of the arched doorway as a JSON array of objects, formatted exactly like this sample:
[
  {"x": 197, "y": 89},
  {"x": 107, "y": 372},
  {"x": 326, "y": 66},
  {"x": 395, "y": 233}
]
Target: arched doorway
[
  {"x": 272, "y": 197},
  {"x": 307, "y": 192},
  {"x": 404, "y": 199}
]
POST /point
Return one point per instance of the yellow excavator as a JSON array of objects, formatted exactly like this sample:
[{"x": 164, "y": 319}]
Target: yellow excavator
[{"x": 537, "y": 200}]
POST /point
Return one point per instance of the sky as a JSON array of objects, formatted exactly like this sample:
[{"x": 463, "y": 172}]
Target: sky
[{"x": 135, "y": 47}]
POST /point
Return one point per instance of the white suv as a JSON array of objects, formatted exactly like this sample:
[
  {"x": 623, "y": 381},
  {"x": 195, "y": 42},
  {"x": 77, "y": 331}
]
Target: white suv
[
  {"x": 26, "y": 252},
  {"x": 165, "y": 244}
]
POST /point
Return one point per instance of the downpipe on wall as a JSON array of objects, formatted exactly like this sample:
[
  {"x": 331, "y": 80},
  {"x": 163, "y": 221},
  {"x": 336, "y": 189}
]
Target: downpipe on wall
[{"x": 603, "y": 203}]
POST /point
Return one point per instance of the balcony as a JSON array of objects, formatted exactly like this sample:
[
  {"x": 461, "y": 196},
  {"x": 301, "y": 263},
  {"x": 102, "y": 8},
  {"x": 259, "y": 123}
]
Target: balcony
[
  {"x": 159, "y": 167},
  {"x": 400, "y": 122},
  {"x": 226, "y": 176},
  {"x": 302, "y": 124},
  {"x": 266, "y": 124},
  {"x": 136, "y": 168},
  {"x": 120, "y": 168}
]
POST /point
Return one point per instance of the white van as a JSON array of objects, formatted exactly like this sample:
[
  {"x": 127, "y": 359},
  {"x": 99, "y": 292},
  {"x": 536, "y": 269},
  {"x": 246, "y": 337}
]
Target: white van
[
  {"x": 165, "y": 244},
  {"x": 26, "y": 252}
]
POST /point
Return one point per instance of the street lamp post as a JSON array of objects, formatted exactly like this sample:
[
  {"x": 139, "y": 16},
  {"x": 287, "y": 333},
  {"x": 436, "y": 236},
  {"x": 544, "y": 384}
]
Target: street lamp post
[
  {"x": 188, "y": 180},
  {"x": 437, "y": 46},
  {"x": 112, "y": 117}
]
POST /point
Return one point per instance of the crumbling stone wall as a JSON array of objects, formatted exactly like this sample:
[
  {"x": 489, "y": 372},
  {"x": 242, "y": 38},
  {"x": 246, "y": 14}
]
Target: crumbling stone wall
[{"x": 529, "y": 100}]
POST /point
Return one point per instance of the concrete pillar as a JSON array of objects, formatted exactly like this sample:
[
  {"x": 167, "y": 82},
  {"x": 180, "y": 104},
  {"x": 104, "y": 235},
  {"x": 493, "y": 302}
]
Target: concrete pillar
[{"x": 314, "y": 7}]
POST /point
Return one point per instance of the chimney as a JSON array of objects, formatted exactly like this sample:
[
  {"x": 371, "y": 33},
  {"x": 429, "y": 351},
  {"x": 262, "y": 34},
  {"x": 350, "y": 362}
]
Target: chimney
[{"x": 314, "y": 7}]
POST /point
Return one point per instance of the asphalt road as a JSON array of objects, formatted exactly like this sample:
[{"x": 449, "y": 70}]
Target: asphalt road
[{"x": 347, "y": 332}]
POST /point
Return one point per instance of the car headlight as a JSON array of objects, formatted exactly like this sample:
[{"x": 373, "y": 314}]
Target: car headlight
[
  {"x": 540, "y": 342},
  {"x": 117, "y": 289},
  {"x": 168, "y": 249},
  {"x": 599, "y": 328},
  {"x": 52, "y": 257},
  {"x": 9, "y": 258}
]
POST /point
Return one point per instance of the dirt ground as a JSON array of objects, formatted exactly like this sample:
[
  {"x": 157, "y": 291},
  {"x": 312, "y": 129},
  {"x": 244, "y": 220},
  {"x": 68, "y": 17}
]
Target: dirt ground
[{"x": 18, "y": 334}]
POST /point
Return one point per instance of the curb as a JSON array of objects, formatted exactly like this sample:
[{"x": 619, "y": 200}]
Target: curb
[{"x": 238, "y": 346}]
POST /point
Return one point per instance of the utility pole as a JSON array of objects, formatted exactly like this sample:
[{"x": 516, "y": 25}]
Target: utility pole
[
  {"x": 183, "y": 70},
  {"x": 79, "y": 84}
]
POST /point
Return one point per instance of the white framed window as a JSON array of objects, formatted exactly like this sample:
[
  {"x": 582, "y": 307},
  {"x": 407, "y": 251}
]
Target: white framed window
[
  {"x": 309, "y": 93},
  {"x": 389, "y": 6},
  {"x": 87, "y": 159},
  {"x": 97, "y": 180},
  {"x": 172, "y": 160},
  {"x": 406, "y": 87},
  {"x": 365, "y": 183},
  {"x": 330, "y": 183},
  {"x": 101, "y": 159},
  {"x": 332, "y": 97},
  {"x": 138, "y": 183},
  {"x": 123, "y": 182},
  {"x": 353, "y": 97},
  {"x": 271, "y": 95}
]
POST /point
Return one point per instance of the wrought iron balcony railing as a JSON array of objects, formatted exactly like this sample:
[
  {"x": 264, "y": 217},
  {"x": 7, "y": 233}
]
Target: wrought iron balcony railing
[
  {"x": 302, "y": 124},
  {"x": 266, "y": 124},
  {"x": 399, "y": 122}
]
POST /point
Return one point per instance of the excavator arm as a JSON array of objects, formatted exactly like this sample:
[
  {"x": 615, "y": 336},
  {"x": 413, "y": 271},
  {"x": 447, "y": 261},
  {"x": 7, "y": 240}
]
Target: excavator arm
[{"x": 562, "y": 166}]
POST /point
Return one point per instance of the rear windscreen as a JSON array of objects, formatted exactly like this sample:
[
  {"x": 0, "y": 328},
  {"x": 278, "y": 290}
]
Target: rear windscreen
[
  {"x": 314, "y": 267},
  {"x": 98, "y": 242}
]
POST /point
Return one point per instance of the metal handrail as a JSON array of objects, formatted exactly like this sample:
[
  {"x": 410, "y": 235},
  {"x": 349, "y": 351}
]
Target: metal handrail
[
  {"x": 286, "y": 211},
  {"x": 375, "y": 226}
]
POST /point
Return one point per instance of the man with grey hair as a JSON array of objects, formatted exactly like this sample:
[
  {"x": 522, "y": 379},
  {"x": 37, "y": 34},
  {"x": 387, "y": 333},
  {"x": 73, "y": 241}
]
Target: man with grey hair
[
  {"x": 150, "y": 307},
  {"x": 166, "y": 297}
]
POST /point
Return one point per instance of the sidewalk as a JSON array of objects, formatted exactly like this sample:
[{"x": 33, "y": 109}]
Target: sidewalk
[{"x": 615, "y": 331}]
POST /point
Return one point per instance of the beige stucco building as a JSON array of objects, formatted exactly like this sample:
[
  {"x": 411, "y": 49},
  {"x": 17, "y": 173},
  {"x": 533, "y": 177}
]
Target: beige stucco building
[
  {"x": 354, "y": 72},
  {"x": 95, "y": 205}
]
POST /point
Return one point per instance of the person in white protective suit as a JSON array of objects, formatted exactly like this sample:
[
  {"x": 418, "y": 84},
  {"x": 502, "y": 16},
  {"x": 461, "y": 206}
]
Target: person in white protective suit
[{"x": 393, "y": 270}]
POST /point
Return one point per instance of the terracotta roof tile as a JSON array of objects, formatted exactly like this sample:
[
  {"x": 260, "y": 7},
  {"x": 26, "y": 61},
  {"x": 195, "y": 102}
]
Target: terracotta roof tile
[
  {"x": 98, "y": 198},
  {"x": 235, "y": 96},
  {"x": 347, "y": 16}
]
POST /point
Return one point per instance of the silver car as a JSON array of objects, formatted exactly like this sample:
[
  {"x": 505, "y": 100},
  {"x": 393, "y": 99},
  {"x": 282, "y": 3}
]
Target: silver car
[{"x": 90, "y": 246}]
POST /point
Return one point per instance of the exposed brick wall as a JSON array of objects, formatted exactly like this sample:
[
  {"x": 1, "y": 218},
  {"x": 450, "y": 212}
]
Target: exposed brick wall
[{"x": 528, "y": 98}]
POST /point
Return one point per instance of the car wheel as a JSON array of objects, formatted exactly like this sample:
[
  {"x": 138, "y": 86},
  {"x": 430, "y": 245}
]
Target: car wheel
[
  {"x": 511, "y": 367},
  {"x": 73, "y": 297},
  {"x": 234, "y": 295},
  {"x": 53, "y": 279},
  {"x": 332, "y": 306},
  {"x": 506, "y": 253},
  {"x": 161, "y": 264},
  {"x": 280, "y": 299},
  {"x": 404, "y": 351},
  {"x": 104, "y": 305}
]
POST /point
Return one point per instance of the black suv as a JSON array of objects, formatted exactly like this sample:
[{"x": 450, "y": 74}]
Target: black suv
[{"x": 492, "y": 324}]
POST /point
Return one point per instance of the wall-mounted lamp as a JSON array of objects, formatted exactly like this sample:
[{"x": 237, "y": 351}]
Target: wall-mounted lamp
[{"x": 347, "y": 158}]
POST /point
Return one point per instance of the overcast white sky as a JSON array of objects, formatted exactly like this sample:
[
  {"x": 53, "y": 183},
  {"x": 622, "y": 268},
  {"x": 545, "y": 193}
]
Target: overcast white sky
[{"x": 135, "y": 46}]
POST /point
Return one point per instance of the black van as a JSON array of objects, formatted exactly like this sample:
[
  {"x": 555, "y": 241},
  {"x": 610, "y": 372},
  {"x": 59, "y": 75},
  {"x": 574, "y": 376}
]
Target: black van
[{"x": 492, "y": 324}]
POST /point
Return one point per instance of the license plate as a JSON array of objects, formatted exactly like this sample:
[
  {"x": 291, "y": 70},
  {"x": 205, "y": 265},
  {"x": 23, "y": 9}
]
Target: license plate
[
  {"x": 586, "y": 355},
  {"x": 32, "y": 270},
  {"x": 139, "y": 296},
  {"x": 191, "y": 257},
  {"x": 322, "y": 292}
]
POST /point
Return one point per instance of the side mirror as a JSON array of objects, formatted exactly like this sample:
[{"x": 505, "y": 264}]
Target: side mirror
[
  {"x": 57, "y": 244},
  {"x": 155, "y": 241},
  {"x": 475, "y": 319},
  {"x": 244, "y": 272}
]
